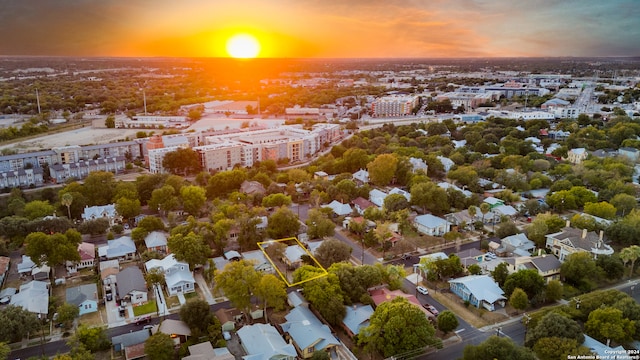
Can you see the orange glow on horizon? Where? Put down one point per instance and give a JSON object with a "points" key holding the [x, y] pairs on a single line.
{"points": [[243, 46]]}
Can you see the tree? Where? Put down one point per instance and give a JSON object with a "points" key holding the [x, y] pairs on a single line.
{"points": [[518, 299], [537, 232], [430, 197], [606, 324], [324, 293], [500, 273], [164, 199], [238, 280], [283, 223], [110, 122], [272, 292], [556, 348], [155, 277], [197, 315], [183, 161], [53, 249], [248, 232], [16, 323], [94, 227], [554, 325], [624, 203], [577, 267], [224, 182], [319, 225], [447, 321], [497, 348], [276, 200], [506, 228], [611, 266], [528, 280], [397, 327], [602, 209], [193, 198], [67, 313], [553, 291], [484, 209], [382, 169], [395, 202], [332, 251], [190, 248], [630, 254], [128, 208], [37, 209], [5, 350], [320, 355], [67, 199], [474, 269], [159, 346], [99, 187], [93, 338]]}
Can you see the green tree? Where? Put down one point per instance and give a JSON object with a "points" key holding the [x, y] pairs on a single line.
{"points": [[66, 199], [332, 251], [519, 299], [497, 348], [554, 325], [272, 292], [238, 280], [128, 208], [225, 182], [447, 321], [183, 161], [324, 293], [320, 355], [382, 169], [602, 209], [319, 225], [397, 327], [110, 122], [37, 209], [53, 249], [16, 323], [94, 227], [484, 209], [430, 197], [5, 350], [190, 248], [155, 277], [193, 199], [197, 315], [537, 232], [630, 254], [67, 313], [607, 324], [164, 199], [553, 291], [577, 267], [556, 348], [283, 223], [276, 200], [93, 338], [99, 188], [528, 280], [624, 203], [159, 346], [395, 202]]}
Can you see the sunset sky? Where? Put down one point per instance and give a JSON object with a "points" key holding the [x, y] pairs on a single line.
{"points": [[322, 28]]}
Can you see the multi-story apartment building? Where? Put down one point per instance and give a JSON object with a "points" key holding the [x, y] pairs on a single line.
{"points": [[156, 156], [394, 105], [221, 156], [81, 169]]}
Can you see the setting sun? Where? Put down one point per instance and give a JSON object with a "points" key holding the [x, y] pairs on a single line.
{"points": [[243, 46]]}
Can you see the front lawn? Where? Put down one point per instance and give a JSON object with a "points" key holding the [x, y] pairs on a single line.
{"points": [[147, 308]]}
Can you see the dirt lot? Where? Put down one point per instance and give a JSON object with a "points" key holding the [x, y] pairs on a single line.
{"points": [[84, 136]]}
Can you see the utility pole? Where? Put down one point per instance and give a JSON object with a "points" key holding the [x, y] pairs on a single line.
{"points": [[38, 102]]}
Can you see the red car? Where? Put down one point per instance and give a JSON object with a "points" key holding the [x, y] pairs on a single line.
{"points": [[431, 309]]}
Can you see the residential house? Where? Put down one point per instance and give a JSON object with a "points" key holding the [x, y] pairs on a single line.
{"points": [[548, 266], [339, 209], [368, 224], [446, 186], [128, 341], [85, 297], [295, 299], [404, 193], [307, 332], [122, 248], [177, 276], [156, 241], [293, 255], [572, 240], [431, 225], [470, 256], [446, 163], [177, 329], [356, 318], [361, 204], [576, 156], [5, 264], [87, 252], [27, 268], [361, 177], [630, 153], [504, 210], [603, 351], [377, 197], [252, 188], [517, 244], [260, 261], [263, 342], [108, 271], [418, 165], [205, 351], [33, 297], [321, 175], [461, 219], [383, 294], [479, 291], [102, 212], [228, 318], [493, 202], [131, 285]]}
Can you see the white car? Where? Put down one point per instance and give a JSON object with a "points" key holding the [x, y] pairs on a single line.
{"points": [[422, 290]]}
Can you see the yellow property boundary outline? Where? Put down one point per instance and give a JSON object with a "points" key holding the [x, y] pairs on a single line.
{"points": [[264, 244]]}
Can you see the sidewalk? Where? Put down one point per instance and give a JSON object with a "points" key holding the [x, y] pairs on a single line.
{"points": [[202, 284]]}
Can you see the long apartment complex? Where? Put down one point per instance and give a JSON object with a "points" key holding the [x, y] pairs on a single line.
{"points": [[245, 147], [394, 105]]}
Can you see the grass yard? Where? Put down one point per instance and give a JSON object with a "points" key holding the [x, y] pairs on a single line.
{"points": [[191, 295], [147, 308]]}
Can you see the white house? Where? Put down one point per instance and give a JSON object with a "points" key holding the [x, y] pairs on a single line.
{"points": [[98, 212], [33, 297], [87, 252], [377, 197], [131, 285], [339, 208], [120, 248], [432, 225], [479, 291], [361, 176], [177, 275]]}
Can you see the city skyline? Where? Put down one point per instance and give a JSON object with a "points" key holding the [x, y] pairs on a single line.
{"points": [[327, 29]]}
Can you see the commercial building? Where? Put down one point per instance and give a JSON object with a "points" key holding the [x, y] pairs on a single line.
{"points": [[394, 105]]}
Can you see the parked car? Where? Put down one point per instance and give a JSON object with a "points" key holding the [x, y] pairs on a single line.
{"points": [[422, 290], [431, 309]]}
